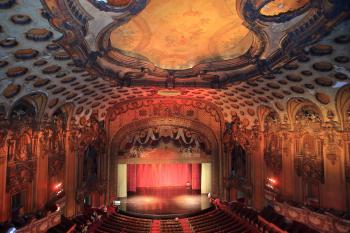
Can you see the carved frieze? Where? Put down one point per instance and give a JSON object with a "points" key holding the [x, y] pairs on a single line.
{"points": [[165, 107]]}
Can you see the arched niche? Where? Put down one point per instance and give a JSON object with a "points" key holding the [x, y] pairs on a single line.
{"points": [[239, 161], [342, 104], [269, 119], [303, 112], [90, 165], [30, 107], [65, 113]]}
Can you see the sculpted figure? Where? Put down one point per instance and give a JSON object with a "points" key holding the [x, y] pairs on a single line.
{"points": [[23, 147]]}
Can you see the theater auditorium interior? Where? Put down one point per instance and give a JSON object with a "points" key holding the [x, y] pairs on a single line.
{"points": [[175, 116]]}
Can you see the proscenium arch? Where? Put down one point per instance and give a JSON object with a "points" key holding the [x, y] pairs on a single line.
{"points": [[201, 128]]}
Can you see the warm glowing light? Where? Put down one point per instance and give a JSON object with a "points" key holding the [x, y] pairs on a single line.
{"points": [[272, 180], [167, 92], [187, 200], [58, 186], [179, 34]]}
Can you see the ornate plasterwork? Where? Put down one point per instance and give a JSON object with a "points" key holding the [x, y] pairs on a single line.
{"points": [[166, 107], [188, 142], [263, 55], [120, 139]]}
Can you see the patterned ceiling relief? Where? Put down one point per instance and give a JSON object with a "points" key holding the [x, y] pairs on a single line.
{"points": [[180, 34], [53, 60]]}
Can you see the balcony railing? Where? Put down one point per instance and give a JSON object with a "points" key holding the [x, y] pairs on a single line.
{"points": [[43, 224], [322, 222]]}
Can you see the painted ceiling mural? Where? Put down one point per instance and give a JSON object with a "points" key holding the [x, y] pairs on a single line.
{"points": [[179, 34], [57, 52], [277, 7]]}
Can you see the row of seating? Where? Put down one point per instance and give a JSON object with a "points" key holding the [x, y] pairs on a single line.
{"points": [[218, 221], [170, 226], [121, 223]]}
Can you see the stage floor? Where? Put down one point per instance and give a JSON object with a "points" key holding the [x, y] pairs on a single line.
{"points": [[165, 201]]}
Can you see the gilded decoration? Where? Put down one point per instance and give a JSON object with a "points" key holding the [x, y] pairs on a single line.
{"points": [[309, 161], [168, 107], [186, 142], [273, 145], [179, 34], [184, 42]]}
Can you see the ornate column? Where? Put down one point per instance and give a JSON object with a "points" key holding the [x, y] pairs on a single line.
{"points": [[70, 175], [42, 178], [287, 178], [257, 157], [334, 188]]}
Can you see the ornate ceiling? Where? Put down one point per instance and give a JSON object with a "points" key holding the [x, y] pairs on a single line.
{"points": [[181, 34], [277, 7], [57, 53]]}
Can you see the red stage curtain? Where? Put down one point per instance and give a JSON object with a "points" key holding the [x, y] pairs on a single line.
{"points": [[162, 175], [196, 176], [131, 177]]}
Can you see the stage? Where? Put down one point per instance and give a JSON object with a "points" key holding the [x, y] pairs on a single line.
{"points": [[165, 201]]}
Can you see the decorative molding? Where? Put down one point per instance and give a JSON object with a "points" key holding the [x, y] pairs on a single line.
{"points": [[109, 62], [200, 129]]}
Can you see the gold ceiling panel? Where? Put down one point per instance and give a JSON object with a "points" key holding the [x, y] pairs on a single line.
{"points": [[179, 34], [278, 7]]}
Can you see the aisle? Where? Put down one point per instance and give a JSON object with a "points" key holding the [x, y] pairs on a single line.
{"points": [[155, 228], [185, 225]]}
